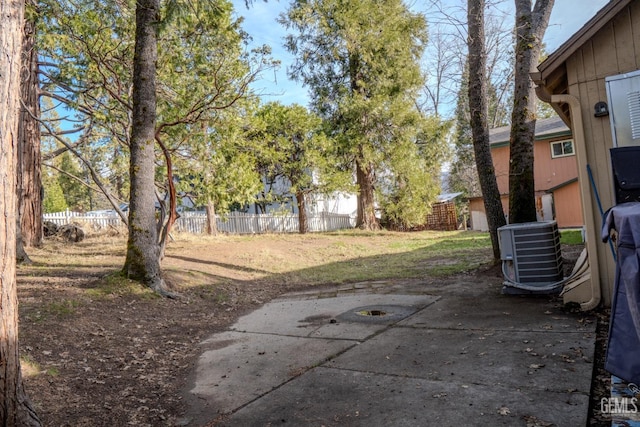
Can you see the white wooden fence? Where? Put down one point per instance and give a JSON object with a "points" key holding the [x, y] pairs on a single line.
{"points": [[234, 223], [95, 220]]}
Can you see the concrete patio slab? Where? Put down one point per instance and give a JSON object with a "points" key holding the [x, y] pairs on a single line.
{"points": [[332, 397], [447, 358], [546, 361], [318, 317], [239, 367], [499, 312]]}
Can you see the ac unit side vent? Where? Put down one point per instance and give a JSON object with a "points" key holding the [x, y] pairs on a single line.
{"points": [[534, 251]]}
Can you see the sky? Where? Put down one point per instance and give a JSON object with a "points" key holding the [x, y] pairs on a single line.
{"points": [[567, 17]]}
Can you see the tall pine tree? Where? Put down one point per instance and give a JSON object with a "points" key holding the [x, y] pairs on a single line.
{"points": [[361, 62]]}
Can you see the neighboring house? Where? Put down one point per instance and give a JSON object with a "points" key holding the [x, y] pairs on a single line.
{"points": [[336, 203], [577, 81], [442, 217], [555, 174]]}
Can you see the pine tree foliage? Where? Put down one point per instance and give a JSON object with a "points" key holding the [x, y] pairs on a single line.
{"points": [[463, 175], [54, 200], [204, 67], [360, 60], [294, 148], [218, 166]]}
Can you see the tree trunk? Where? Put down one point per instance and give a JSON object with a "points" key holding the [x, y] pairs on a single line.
{"points": [[22, 257], [29, 185], [167, 218], [530, 28], [143, 252], [212, 224], [479, 111], [366, 214], [15, 408], [303, 225]]}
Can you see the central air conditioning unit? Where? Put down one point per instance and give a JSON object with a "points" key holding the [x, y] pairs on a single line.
{"points": [[531, 258]]}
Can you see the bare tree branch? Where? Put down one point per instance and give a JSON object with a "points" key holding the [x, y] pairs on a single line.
{"points": [[114, 203]]}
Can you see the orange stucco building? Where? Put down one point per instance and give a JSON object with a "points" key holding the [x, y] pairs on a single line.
{"points": [[555, 174]]}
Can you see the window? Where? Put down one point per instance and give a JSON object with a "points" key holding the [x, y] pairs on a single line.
{"points": [[634, 113], [562, 149]]}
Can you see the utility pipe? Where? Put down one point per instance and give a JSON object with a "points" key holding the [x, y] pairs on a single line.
{"points": [[587, 199]]}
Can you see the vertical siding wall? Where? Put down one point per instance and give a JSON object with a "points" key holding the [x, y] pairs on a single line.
{"points": [[615, 49], [500, 156], [478, 214], [548, 172], [567, 205]]}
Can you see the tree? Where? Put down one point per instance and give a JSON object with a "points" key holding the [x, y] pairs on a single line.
{"points": [[406, 195], [29, 183], [478, 110], [15, 408], [218, 169], [463, 175], [142, 262], [531, 25], [209, 105], [203, 68], [87, 54], [207, 79], [498, 42], [296, 150], [73, 180], [441, 67], [54, 200], [360, 60], [447, 61]]}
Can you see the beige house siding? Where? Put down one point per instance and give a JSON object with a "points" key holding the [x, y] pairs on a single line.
{"points": [[567, 202], [608, 45], [613, 50]]}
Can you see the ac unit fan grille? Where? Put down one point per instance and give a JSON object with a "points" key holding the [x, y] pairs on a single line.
{"points": [[534, 249]]}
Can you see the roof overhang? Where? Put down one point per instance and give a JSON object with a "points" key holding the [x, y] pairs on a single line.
{"points": [[551, 77]]}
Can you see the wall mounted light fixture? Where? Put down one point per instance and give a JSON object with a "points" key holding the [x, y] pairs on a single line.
{"points": [[601, 109]]}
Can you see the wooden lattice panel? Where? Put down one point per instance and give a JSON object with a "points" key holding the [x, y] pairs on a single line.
{"points": [[443, 217]]}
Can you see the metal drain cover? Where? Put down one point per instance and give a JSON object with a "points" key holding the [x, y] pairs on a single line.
{"points": [[380, 314], [372, 313]]}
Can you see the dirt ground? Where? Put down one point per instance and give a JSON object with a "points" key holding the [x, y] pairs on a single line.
{"points": [[97, 352]]}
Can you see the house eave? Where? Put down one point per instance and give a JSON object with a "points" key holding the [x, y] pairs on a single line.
{"points": [[588, 30]]}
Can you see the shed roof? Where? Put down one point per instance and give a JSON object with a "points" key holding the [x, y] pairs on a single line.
{"points": [[447, 197], [545, 129], [562, 185]]}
